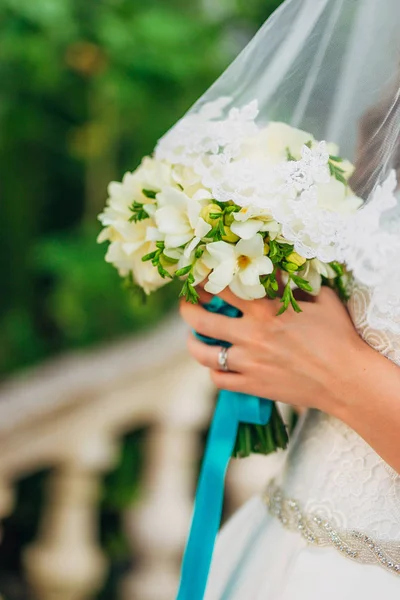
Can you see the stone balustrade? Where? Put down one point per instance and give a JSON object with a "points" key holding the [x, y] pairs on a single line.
{"points": [[69, 415]]}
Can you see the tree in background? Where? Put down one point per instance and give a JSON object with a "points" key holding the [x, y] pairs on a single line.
{"points": [[87, 88]]}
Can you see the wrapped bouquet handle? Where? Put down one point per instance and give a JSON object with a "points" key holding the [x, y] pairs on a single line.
{"points": [[232, 409]]}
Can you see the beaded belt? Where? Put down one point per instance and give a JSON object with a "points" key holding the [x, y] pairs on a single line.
{"points": [[319, 532]]}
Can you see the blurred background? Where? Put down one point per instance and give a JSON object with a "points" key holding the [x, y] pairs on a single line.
{"points": [[87, 88]]}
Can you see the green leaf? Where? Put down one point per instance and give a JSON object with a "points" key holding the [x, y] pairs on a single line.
{"points": [[290, 267], [189, 292], [294, 304], [183, 271], [149, 194], [232, 208], [163, 272], [282, 309], [337, 173], [149, 256], [286, 295], [302, 283], [289, 155], [138, 212], [337, 267]]}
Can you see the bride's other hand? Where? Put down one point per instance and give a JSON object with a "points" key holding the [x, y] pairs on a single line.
{"points": [[314, 359], [300, 359], [310, 359]]}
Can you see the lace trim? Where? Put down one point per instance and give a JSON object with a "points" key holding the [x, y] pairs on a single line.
{"points": [[319, 532], [221, 143]]}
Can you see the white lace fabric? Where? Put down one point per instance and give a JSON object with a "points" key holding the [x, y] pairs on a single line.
{"points": [[222, 147], [333, 472], [221, 144]]}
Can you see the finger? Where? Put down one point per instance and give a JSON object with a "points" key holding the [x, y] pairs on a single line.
{"points": [[232, 382], [210, 324], [326, 294], [204, 296], [264, 307], [233, 300], [208, 355], [302, 296]]}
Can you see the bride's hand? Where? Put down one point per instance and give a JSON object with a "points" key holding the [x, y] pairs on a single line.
{"points": [[306, 359]]}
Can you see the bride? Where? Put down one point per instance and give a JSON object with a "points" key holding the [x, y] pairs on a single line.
{"points": [[328, 526]]}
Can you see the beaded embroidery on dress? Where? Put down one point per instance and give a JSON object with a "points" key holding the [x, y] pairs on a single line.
{"points": [[333, 472]]}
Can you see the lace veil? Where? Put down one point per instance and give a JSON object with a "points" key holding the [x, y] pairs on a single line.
{"points": [[331, 68]]}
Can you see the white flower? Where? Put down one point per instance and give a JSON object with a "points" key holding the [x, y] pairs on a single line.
{"points": [[129, 242], [335, 197], [252, 219], [144, 273], [187, 179], [238, 266], [178, 219], [151, 175], [275, 140], [315, 161], [313, 272]]}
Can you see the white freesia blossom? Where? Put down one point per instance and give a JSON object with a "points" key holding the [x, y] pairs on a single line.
{"points": [[183, 259], [313, 272], [129, 242], [187, 179], [280, 138], [144, 274], [200, 271], [251, 220], [238, 266], [151, 175], [218, 175], [178, 219], [336, 197]]}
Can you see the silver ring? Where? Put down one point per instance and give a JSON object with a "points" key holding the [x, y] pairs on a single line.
{"points": [[223, 359]]}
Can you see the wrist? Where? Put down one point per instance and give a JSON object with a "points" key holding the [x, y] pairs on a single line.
{"points": [[366, 389]]}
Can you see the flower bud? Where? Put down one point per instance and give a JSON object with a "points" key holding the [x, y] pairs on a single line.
{"points": [[296, 259], [266, 248], [228, 219], [230, 236], [208, 210], [166, 261]]}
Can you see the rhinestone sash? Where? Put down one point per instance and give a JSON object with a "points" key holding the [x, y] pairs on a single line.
{"points": [[319, 532]]}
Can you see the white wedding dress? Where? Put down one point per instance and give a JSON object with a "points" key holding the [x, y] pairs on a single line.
{"points": [[328, 527]]}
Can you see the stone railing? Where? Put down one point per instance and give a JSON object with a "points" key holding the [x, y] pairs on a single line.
{"points": [[68, 415]]}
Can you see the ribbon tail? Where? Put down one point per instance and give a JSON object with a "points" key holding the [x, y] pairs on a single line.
{"points": [[209, 498]]}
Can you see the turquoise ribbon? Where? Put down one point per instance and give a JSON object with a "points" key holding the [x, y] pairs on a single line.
{"points": [[232, 408]]}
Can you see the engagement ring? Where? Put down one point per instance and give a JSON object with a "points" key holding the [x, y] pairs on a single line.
{"points": [[223, 359]]}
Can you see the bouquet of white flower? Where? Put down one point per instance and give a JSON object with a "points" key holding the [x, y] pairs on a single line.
{"points": [[276, 205]]}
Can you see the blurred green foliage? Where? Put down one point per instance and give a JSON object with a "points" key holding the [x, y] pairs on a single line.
{"points": [[87, 87]]}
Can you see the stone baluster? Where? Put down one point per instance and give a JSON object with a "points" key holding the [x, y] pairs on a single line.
{"points": [[6, 498], [66, 563], [6, 502], [158, 526]]}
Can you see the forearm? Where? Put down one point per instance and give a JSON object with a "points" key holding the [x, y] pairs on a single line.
{"points": [[370, 404]]}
